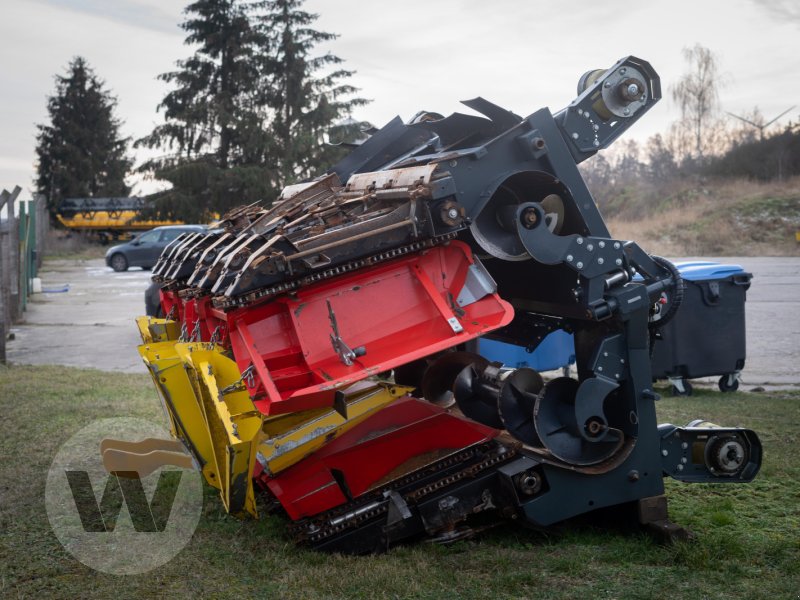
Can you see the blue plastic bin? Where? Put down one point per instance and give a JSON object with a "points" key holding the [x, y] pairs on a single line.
{"points": [[556, 351]]}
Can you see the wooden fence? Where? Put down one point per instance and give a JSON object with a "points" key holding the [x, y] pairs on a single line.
{"points": [[22, 236]]}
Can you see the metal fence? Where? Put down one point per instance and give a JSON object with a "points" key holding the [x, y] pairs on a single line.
{"points": [[22, 236]]}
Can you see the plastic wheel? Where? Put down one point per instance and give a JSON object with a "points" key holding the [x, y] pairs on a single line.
{"points": [[119, 263], [724, 386], [687, 389]]}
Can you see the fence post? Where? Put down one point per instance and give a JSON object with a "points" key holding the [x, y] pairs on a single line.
{"points": [[13, 256], [5, 316], [22, 272], [10, 266], [42, 228]]}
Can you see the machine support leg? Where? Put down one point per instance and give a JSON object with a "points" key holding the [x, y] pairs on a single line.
{"points": [[653, 515]]}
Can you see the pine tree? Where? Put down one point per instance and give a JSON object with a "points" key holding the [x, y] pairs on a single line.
{"points": [[246, 114], [80, 152]]}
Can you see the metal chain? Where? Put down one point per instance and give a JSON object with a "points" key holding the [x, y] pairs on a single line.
{"points": [[196, 332], [327, 524], [172, 313], [246, 380], [216, 336]]}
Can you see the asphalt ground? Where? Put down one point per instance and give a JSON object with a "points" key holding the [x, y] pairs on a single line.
{"points": [[92, 324]]}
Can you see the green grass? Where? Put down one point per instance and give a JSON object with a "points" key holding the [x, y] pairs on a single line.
{"points": [[747, 536]]}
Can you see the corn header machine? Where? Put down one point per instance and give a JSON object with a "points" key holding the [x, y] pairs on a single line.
{"points": [[317, 356]]}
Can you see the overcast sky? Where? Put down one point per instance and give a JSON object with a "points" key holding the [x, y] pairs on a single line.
{"points": [[408, 55]]}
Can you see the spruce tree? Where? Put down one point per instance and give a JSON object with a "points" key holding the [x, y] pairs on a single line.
{"points": [[247, 113], [305, 103], [80, 152], [212, 129]]}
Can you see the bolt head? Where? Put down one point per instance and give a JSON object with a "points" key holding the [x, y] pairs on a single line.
{"points": [[452, 213], [579, 264], [633, 89]]}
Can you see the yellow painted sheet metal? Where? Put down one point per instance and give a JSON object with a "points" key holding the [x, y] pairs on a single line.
{"points": [[211, 412], [233, 422], [153, 330], [293, 445], [185, 415]]}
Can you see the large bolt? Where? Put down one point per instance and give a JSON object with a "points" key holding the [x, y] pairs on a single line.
{"points": [[452, 213], [529, 218], [633, 89]]}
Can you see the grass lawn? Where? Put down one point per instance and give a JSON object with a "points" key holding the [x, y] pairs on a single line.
{"points": [[747, 545]]}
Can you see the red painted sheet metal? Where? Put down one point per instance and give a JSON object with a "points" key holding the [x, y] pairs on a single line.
{"points": [[397, 311], [404, 436], [171, 304]]}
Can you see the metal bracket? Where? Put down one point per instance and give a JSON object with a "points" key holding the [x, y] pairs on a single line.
{"points": [[346, 354], [477, 285]]}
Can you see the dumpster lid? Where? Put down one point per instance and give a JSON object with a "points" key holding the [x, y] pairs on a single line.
{"points": [[702, 271]]}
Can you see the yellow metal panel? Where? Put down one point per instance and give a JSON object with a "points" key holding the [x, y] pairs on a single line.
{"points": [[182, 405], [153, 330], [284, 450], [232, 419]]}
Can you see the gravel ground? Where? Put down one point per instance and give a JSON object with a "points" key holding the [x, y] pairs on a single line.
{"points": [[91, 325]]}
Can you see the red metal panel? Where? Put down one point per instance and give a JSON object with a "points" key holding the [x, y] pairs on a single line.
{"points": [[404, 436], [398, 312]]}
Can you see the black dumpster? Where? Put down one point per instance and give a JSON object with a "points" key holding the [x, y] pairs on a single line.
{"points": [[706, 336]]}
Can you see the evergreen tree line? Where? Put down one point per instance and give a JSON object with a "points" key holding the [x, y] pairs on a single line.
{"points": [[247, 113]]}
